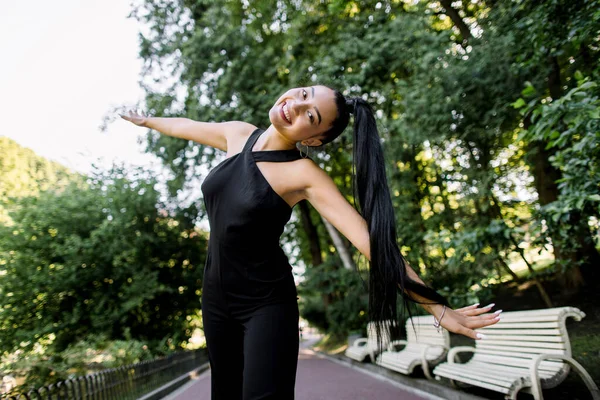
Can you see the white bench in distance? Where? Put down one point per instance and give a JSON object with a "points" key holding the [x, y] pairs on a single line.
{"points": [[525, 351], [363, 347], [428, 347]]}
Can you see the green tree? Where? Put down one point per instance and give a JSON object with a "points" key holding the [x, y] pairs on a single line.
{"points": [[443, 76], [103, 257], [23, 173]]}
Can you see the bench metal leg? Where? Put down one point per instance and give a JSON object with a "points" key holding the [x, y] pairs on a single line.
{"points": [[536, 387]]}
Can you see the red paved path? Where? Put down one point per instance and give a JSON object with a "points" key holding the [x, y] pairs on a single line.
{"points": [[318, 378]]}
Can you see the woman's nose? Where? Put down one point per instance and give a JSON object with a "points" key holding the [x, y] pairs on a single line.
{"points": [[300, 106]]}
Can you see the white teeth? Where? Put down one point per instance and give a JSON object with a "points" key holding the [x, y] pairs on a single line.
{"points": [[286, 112]]}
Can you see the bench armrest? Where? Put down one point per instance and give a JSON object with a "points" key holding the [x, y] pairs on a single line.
{"points": [[424, 363], [458, 349], [396, 343], [360, 342], [536, 386]]}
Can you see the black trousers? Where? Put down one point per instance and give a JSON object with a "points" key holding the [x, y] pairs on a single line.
{"points": [[254, 356]]}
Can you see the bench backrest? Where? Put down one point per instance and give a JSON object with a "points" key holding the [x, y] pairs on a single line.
{"points": [[525, 334], [520, 336], [426, 333]]}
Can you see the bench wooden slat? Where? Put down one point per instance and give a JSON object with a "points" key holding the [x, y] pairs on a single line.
{"points": [[522, 325], [528, 338], [527, 344], [521, 369], [475, 382], [530, 318], [533, 332], [466, 375], [553, 366], [520, 352], [497, 375], [544, 311]]}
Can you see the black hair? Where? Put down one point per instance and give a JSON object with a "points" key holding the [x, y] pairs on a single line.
{"points": [[342, 118], [387, 273]]}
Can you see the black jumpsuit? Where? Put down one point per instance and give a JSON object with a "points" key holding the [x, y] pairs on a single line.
{"points": [[249, 303]]}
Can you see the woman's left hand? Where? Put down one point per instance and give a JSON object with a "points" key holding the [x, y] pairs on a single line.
{"points": [[465, 320]]}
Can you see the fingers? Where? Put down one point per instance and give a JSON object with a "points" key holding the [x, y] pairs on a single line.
{"points": [[473, 311], [469, 332], [464, 325], [131, 115], [472, 334], [465, 320], [480, 322], [482, 310], [471, 307]]}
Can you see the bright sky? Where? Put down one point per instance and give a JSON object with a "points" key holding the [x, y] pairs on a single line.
{"points": [[65, 64]]}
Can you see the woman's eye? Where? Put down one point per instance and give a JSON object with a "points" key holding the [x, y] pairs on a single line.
{"points": [[304, 94], [310, 116]]}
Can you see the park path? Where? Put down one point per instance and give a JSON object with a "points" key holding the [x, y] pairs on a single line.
{"points": [[319, 378]]}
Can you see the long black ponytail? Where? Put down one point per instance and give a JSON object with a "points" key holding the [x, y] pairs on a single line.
{"points": [[387, 273]]}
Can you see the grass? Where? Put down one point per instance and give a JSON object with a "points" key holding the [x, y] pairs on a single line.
{"points": [[586, 350], [331, 344]]}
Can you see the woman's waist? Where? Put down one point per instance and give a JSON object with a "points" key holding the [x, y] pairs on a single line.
{"points": [[247, 253]]}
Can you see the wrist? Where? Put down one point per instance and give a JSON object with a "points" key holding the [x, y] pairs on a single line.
{"points": [[434, 309]]}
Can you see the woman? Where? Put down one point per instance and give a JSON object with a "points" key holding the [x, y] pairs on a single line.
{"points": [[249, 303]]}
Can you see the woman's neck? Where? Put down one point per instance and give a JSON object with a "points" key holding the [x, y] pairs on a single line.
{"points": [[271, 139]]}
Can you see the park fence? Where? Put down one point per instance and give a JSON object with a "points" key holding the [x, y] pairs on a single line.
{"points": [[122, 383]]}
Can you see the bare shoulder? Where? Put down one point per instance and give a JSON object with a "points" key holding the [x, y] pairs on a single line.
{"points": [[237, 130], [308, 175], [236, 134]]}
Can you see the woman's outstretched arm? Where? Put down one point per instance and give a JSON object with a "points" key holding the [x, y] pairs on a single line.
{"points": [[213, 134], [320, 190]]}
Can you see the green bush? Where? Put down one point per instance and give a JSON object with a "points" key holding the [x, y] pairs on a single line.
{"points": [[343, 291]]}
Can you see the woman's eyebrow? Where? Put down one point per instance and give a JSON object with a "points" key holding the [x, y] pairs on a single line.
{"points": [[316, 109]]}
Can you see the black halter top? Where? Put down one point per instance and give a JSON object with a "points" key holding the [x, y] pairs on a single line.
{"points": [[245, 264]]}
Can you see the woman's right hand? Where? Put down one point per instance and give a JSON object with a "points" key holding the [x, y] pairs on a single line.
{"points": [[465, 320], [133, 117]]}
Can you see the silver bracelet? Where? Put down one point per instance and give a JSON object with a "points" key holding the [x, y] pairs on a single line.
{"points": [[436, 322]]}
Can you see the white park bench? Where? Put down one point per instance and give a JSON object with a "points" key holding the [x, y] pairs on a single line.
{"points": [[526, 350], [427, 347], [363, 347]]}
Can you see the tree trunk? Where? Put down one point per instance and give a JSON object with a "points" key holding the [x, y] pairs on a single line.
{"points": [[453, 14], [505, 266], [314, 243], [311, 234], [340, 246]]}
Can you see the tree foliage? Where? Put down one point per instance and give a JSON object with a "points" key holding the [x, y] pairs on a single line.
{"points": [[101, 257], [469, 186], [23, 173]]}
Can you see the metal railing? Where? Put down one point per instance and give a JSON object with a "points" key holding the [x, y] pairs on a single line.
{"points": [[123, 383]]}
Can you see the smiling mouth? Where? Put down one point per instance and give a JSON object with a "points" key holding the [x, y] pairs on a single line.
{"points": [[285, 113]]}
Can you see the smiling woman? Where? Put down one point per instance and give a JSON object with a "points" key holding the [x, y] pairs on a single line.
{"points": [[249, 303]]}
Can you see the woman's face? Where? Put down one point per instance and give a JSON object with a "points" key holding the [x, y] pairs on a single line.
{"points": [[304, 114]]}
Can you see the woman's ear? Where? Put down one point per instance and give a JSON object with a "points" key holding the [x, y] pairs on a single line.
{"points": [[312, 142]]}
